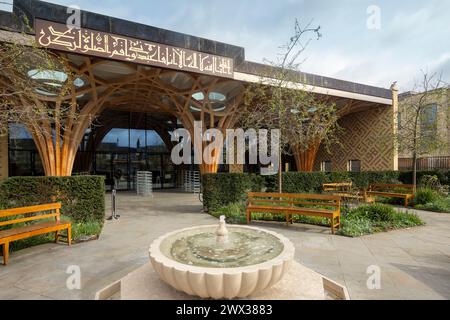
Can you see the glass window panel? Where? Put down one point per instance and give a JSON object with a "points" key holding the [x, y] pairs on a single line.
{"points": [[20, 163], [137, 140], [154, 142], [20, 138], [354, 166], [117, 140], [326, 166]]}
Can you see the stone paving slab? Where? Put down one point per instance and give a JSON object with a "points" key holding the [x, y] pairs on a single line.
{"points": [[414, 263]]}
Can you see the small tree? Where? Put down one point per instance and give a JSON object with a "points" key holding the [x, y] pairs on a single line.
{"points": [[280, 100], [38, 90], [419, 133]]}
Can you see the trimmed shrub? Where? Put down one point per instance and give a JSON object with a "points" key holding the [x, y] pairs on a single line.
{"points": [[222, 189], [82, 197], [234, 213]]}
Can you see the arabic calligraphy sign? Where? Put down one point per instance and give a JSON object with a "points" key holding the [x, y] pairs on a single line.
{"points": [[100, 44]]}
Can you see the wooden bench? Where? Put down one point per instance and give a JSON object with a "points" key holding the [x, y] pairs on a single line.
{"points": [[340, 186], [403, 191], [289, 204], [10, 217], [343, 190]]}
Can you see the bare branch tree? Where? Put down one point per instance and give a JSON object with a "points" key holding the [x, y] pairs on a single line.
{"points": [[281, 100], [418, 131]]}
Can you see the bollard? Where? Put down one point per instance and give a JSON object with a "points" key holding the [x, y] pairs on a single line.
{"points": [[114, 215]]}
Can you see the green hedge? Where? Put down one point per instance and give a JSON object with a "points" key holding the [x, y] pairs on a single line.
{"points": [[82, 198], [223, 189]]}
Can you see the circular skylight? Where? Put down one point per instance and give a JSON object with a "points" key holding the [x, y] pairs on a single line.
{"points": [[216, 98], [52, 79], [213, 96]]}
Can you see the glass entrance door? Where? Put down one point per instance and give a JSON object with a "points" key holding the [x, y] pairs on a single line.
{"points": [[120, 171]]}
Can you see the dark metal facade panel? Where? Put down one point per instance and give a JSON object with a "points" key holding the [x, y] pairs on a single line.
{"points": [[47, 11], [318, 81]]}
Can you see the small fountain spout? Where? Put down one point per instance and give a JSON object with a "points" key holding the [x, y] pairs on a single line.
{"points": [[222, 231]]}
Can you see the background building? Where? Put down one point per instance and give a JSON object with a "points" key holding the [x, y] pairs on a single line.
{"points": [[139, 101], [436, 121]]}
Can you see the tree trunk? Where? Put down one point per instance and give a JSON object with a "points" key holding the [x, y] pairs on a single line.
{"points": [[280, 172], [414, 171], [55, 162]]}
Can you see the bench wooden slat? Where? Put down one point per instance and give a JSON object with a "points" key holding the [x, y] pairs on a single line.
{"points": [[389, 194], [382, 190], [294, 196], [337, 186], [385, 185], [322, 204], [27, 210], [291, 209], [34, 218], [32, 230], [270, 203]]}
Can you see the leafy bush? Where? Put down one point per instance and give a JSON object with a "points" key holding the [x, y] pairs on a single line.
{"points": [[82, 199], [439, 205], [424, 196], [355, 227], [368, 219], [374, 212]]}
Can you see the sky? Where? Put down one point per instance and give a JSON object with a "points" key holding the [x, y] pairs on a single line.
{"points": [[409, 36]]}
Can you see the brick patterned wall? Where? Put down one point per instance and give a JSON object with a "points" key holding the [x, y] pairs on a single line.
{"points": [[3, 157], [236, 168], [367, 136]]}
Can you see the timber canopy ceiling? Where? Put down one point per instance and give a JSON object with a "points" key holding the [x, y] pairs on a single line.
{"points": [[189, 96]]}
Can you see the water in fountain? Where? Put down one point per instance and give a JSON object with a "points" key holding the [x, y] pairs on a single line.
{"points": [[222, 247]]}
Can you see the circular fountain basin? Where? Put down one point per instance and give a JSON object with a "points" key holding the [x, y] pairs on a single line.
{"points": [[247, 261]]}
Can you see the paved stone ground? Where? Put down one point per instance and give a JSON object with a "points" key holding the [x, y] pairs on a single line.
{"points": [[415, 263]]}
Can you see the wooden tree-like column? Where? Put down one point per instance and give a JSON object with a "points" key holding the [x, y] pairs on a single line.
{"points": [[305, 157], [145, 89], [58, 142], [209, 118]]}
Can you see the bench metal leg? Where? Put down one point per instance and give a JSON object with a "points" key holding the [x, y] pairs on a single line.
{"points": [[56, 236], [249, 216], [5, 253]]}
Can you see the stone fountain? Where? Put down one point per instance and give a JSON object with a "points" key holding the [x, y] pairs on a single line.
{"points": [[223, 262], [220, 262]]}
